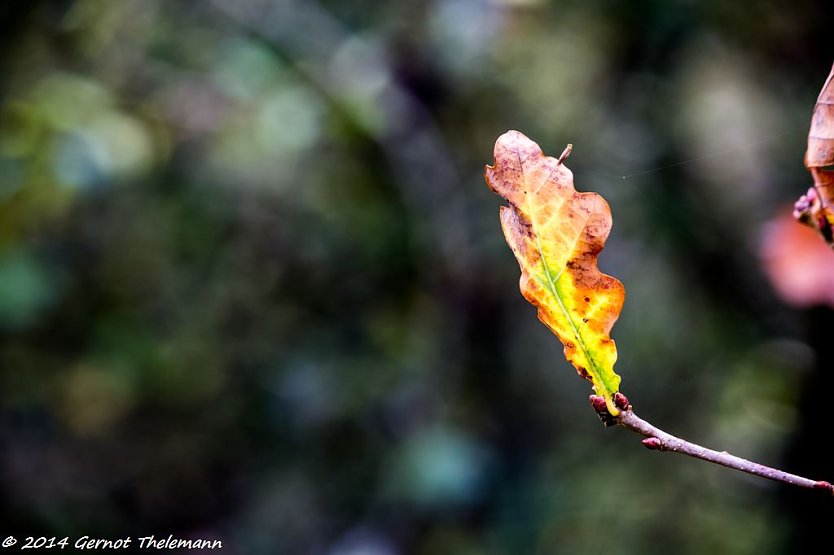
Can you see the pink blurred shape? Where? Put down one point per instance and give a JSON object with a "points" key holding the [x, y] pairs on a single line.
{"points": [[798, 263]]}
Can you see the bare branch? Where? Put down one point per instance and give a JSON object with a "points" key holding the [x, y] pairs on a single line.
{"points": [[658, 440]]}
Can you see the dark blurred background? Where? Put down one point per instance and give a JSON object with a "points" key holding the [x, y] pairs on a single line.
{"points": [[253, 286]]}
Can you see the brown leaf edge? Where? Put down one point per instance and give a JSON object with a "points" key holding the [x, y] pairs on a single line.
{"points": [[816, 207]]}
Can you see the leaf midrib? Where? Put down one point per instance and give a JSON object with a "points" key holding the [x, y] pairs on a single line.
{"points": [[551, 285]]}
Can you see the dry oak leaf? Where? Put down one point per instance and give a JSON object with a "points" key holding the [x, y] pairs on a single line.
{"points": [[816, 207], [820, 151], [556, 234]]}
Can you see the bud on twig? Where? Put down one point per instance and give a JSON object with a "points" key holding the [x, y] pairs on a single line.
{"points": [[598, 404], [621, 401], [653, 443], [807, 205], [824, 485]]}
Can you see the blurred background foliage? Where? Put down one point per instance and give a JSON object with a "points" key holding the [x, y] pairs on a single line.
{"points": [[253, 286]]}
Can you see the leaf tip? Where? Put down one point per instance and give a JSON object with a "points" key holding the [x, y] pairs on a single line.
{"points": [[566, 153]]}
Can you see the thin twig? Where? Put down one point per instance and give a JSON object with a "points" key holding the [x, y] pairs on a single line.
{"points": [[658, 440]]}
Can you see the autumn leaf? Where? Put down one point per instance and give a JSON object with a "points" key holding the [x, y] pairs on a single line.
{"points": [[816, 207], [820, 151], [556, 234]]}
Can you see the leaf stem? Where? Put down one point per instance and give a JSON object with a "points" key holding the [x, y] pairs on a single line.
{"points": [[661, 441]]}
